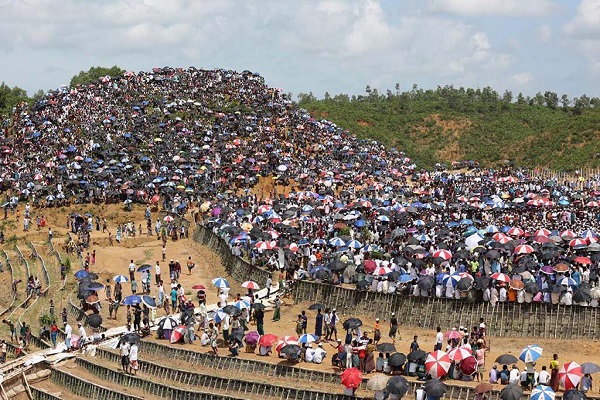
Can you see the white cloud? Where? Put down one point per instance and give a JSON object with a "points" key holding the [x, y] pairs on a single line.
{"points": [[584, 33], [522, 79], [496, 8], [544, 34]]}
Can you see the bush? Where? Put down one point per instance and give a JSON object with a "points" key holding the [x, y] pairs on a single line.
{"points": [[47, 319]]}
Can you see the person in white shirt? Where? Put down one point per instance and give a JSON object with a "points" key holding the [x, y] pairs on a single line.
{"points": [[515, 375], [320, 354], [131, 270], [223, 297], [82, 334], [439, 339], [503, 294], [204, 339], [68, 333], [544, 376], [124, 350], [157, 273], [567, 298], [309, 355], [133, 359]]}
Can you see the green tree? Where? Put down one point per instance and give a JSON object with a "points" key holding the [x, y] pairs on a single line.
{"points": [[95, 73], [9, 97]]}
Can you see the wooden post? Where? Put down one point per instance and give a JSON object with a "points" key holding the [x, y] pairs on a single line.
{"points": [[26, 385]]}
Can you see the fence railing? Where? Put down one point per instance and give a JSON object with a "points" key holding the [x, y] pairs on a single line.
{"points": [[12, 278]]}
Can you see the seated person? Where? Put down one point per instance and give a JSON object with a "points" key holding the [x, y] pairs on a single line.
{"points": [[234, 347], [504, 375], [309, 355], [320, 354], [265, 350]]}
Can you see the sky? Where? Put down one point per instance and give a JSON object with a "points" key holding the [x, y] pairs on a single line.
{"points": [[335, 46]]}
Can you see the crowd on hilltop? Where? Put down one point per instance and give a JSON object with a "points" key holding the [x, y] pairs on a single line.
{"points": [[353, 211]]}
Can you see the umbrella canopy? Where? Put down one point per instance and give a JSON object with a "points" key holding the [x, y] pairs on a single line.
{"points": [[308, 338], [506, 359], [574, 394], [386, 348], [469, 365], [437, 363], [542, 392], [149, 301], [351, 377], [268, 340], [531, 353], [178, 333], [352, 323], [220, 283], [132, 300], [459, 353], [250, 285], [131, 338], [95, 286], [317, 306], [198, 287], [416, 355], [95, 321], [396, 360], [252, 338], [92, 299], [377, 382], [167, 323], [570, 375], [435, 388], [290, 349], [144, 267], [511, 392], [500, 277], [121, 279], [590, 368], [483, 387], [397, 385]]}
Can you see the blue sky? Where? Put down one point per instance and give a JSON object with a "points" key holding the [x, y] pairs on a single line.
{"points": [[338, 46]]}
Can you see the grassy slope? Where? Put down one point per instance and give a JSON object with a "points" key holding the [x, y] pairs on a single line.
{"points": [[429, 133]]}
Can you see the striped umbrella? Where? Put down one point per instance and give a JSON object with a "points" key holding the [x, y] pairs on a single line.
{"points": [[250, 285], [437, 363], [500, 277], [220, 283], [531, 353], [570, 375], [241, 304], [524, 249], [354, 244], [459, 353], [442, 253], [308, 338], [336, 242], [542, 392]]}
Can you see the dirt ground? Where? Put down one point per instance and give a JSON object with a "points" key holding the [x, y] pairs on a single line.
{"points": [[113, 260]]}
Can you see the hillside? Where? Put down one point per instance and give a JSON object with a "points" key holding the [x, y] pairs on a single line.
{"points": [[449, 124]]}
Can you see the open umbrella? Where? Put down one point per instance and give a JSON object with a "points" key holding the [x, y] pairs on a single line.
{"points": [[121, 279], [95, 286], [386, 348], [92, 299], [397, 385], [454, 334], [144, 267], [167, 323], [352, 323], [542, 392], [469, 365], [531, 353], [258, 306], [131, 338], [132, 300], [511, 392], [251, 285], [178, 333], [570, 375], [231, 310], [308, 338], [435, 388], [220, 283], [437, 363], [252, 338], [198, 287], [506, 359], [483, 387], [268, 340], [459, 353], [590, 368], [396, 360], [149, 301], [95, 321], [574, 394], [289, 349], [317, 306], [82, 273], [377, 382], [351, 377], [416, 355]]}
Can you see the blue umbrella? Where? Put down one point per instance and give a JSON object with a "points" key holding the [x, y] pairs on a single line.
{"points": [[492, 229], [241, 304], [303, 242], [542, 392], [319, 242], [454, 278], [354, 244], [405, 278], [149, 301], [567, 281], [359, 223], [336, 242], [132, 300], [82, 273], [383, 218], [452, 224], [144, 267], [531, 353], [121, 279], [220, 283], [466, 221], [219, 316], [308, 338], [95, 286]]}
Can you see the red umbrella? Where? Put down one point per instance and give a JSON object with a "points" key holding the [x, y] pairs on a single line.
{"points": [[199, 287], [582, 260], [469, 365], [352, 378], [369, 266], [453, 334], [268, 340], [500, 277], [155, 199], [437, 363], [445, 254], [178, 333], [459, 353], [250, 285], [570, 375], [524, 249]]}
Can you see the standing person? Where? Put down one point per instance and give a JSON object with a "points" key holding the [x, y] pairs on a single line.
{"points": [[319, 324], [133, 359], [108, 290], [299, 323], [439, 339], [82, 334], [53, 333], [118, 292], [414, 345], [376, 332], [480, 356], [259, 317], [554, 372], [304, 321], [157, 273], [277, 311], [68, 333], [131, 271], [332, 324], [213, 333], [268, 285], [393, 327], [326, 322], [190, 265]]}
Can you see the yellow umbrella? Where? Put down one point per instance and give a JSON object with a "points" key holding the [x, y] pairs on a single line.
{"points": [[205, 206], [247, 226], [158, 139]]}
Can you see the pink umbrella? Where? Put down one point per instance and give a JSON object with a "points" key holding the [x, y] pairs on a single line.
{"points": [[570, 375], [369, 266], [252, 337], [453, 334], [437, 364]]}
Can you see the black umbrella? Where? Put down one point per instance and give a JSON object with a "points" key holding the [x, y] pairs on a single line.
{"points": [[238, 334], [323, 274], [397, 385], [290, 349], [581, 295], [506, 359], [464, 284], [95, 321], [493, 254], [231, 310], [435, 388], [258, 306], [144, 267], [590, 368], [352, 323], [511, 392], [317, 306], [481, 283], [415, 355], [574, 394], [531, 287], [386, 347], [131, 338], [396, 360], [426, 282], [362, 286]]}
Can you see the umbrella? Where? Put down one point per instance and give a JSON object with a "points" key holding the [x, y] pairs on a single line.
{"points": [[567, 281], [437, 363], [268, 340], [500, 277], [377, 382], [386, 348], [352, 323], [483, 387], [121, 279], [317, 306], [308, 338], [570, 375], [531, 353], [506, 359], [82, 273], [144, 267], [219, 316], [258, 306], [252, 338], [92, 299], [542, 392], [435, 388], [167, 323], [132, 300], [464, 284], [415, 355], [231, 310], [95, 286], [574, 394], [590, 368], [459, 353], [131, 338], [220, 283], [178, 333], [469, 365], [511, 392], [396, 360], [241, 304], [288, 349], [397, 385], [95, 321], [453, 334], [517, 284], [351, 377], [426, 282], [149, 301], [251, 285]]}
